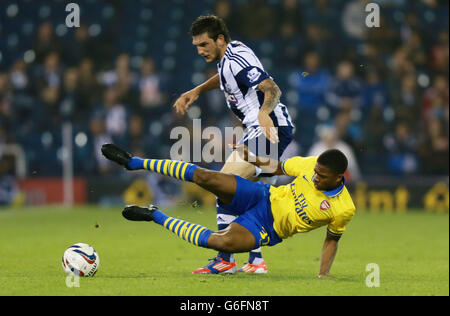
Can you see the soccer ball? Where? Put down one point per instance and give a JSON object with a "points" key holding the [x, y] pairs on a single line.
{"points": [[80, 260]]}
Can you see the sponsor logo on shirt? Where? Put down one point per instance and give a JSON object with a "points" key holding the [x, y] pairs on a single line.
{"points": [[300, 205]]}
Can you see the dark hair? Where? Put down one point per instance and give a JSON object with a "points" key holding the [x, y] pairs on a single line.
{"points": [[335, 160], [211, 24]]}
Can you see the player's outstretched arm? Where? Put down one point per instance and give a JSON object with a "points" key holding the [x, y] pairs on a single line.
{"points": [[329, 251], [183, 103]]}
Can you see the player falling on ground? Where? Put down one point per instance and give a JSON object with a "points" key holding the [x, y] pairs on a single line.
{"points": [[265, 214], [253, 97]]}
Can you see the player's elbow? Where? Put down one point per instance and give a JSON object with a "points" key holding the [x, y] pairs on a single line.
{"points": [[270, 88], [276, 91]]}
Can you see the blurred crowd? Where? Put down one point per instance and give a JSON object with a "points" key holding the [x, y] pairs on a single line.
{"points": [[379, 94]]}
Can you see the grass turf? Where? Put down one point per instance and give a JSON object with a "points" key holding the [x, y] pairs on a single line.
{"points": [[410, 249]]}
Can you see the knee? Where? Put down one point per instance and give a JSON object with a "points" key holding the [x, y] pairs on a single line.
{"points": [[242, 169], [225, 244]]}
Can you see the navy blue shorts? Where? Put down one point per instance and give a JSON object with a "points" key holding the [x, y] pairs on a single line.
{"points": [[259, 145], [251, 204]]}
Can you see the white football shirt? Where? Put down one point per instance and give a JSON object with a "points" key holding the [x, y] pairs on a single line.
{"points": [[240, 73]]}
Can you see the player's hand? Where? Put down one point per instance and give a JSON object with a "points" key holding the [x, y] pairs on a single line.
{"points": [[325, 276], [241, 149], [267, 127], [183, 103]]}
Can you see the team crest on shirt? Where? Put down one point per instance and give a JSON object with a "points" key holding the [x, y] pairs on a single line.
{"points": [[325, 205], [253, 75]]}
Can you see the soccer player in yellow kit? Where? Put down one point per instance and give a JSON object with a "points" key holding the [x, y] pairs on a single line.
{"points": [[266, 214]]}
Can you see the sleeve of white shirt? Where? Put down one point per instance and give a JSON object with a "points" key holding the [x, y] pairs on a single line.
{"points": [[247, 69]]}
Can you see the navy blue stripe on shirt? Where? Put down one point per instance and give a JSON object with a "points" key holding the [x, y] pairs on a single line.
{"points": [[237, 112], [274, 118], [243, 86], [222, 77], [283, 109], [240, 58], [235, 60], [260, 95]]}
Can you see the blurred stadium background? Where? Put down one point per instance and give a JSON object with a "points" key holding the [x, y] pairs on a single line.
{"points": [[379, 94]]}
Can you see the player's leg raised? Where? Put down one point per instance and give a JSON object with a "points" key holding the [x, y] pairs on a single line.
{"points": [[236, 238]]}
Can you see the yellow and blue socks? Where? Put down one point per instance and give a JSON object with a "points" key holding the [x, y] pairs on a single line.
{"points": [[192, 233], [176, 169]]}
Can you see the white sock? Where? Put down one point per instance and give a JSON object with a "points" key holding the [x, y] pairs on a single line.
{"points": [[255, 257]]}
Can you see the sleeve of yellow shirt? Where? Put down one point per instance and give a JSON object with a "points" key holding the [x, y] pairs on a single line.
{"points": [[337, 225], [295, 166]]}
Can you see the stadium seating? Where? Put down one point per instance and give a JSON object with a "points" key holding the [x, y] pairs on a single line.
{"points": [[158, 29]]}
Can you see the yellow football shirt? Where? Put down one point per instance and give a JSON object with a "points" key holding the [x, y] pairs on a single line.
{"points": [[299, 207]]}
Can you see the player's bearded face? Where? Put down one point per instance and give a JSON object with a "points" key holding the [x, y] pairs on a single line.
{"points": [[214, 54], [207, 47], [325, 179]]}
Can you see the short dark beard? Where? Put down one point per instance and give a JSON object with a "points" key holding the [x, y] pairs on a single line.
{"points": [[217, 59]]}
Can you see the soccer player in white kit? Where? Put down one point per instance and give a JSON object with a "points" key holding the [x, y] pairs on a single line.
{"points": [[254, 98]]}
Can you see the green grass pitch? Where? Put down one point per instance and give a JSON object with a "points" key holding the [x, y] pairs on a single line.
{"points": [[410, 249]]}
